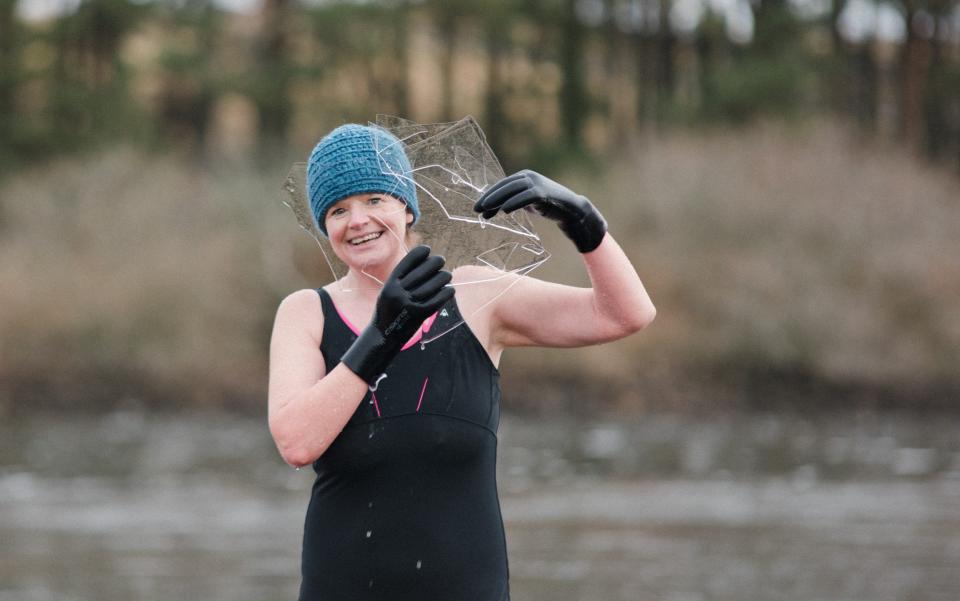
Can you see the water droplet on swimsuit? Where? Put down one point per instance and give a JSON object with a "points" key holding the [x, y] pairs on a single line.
{"points": [[370, 584], [419, 563], [423, 346], [369, 532], [370, 504]]}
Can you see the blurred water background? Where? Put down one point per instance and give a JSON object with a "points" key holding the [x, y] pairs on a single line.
{"points": [[141, 506], [783, 174]]}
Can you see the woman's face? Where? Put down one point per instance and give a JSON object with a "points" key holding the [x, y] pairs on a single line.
{"points": [[368, 229]]}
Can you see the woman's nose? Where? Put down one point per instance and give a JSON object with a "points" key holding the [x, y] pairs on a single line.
{"points": [[358, 217]]}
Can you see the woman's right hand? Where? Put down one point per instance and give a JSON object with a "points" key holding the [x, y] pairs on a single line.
{"points": [[415, 289]]}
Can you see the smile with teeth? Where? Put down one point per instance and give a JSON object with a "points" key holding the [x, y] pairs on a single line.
{"points": [[365, 238]]}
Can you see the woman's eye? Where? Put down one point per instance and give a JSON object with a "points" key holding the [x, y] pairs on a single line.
{"points": [[375, 200], [337, 211]]}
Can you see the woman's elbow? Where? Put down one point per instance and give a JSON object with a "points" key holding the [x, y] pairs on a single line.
{"points": [[291, 446], [644, 318], [636, 321], [298, 456], [297, 461], [294, 457]]}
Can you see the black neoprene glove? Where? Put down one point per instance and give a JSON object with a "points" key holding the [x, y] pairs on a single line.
{"points": [[415, 289], [578, 219]]}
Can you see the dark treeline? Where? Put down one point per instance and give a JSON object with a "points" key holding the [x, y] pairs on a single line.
{"points": [[547, 78]]}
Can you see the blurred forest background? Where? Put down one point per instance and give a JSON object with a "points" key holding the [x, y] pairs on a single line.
{"points": [[785, 175]]}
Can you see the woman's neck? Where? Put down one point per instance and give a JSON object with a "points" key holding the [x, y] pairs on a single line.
{"points": [[369, 279], [364, 285]]}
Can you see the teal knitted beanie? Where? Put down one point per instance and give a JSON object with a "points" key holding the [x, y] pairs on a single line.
{"points": [[358, 159]]}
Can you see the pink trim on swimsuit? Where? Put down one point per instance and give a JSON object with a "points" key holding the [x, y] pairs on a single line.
{"points": [[416, 338], [422, 390]]}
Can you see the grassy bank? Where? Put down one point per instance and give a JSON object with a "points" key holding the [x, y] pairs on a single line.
{"points": [[788, 265]]}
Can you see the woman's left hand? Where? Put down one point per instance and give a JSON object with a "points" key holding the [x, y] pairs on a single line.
{"points": [[575, 215]]}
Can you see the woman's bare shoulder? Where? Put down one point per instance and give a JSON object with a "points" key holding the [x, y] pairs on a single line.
{"points": [[302, 308], [304, 298]]}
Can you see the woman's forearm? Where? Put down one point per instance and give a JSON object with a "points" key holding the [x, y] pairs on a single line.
{"points": [[309, 422], [620, 300]]}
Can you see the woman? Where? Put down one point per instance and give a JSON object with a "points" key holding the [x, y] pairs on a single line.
{"points": [[405, 504]]}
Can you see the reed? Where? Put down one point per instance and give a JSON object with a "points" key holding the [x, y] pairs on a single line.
{"points": [[799, 249]]}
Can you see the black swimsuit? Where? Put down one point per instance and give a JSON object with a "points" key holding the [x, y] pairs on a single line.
{"points": [[405, 503]]}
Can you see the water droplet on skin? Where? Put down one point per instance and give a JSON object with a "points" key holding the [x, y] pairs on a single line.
{"points": [[297, 469], [369, 532], [419, 563]]}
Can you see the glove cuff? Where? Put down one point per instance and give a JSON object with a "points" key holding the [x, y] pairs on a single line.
{"points": [[370, 354], [588, 232]]}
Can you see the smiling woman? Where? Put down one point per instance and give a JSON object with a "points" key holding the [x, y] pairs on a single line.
{"points": [[403, 437], [366, 230]]}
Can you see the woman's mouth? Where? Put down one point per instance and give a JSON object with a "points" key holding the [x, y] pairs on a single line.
{"points": [[364, 239]]}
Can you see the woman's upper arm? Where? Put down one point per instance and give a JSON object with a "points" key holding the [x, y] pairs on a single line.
{"points": [[296, 362], [541, 313], [538, 313]]}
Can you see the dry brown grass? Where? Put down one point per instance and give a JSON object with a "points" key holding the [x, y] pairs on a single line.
{"points": [[127, 265], [800, 249], [792, 248]]}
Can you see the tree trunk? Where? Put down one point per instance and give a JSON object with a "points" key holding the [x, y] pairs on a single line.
{"points": [[644, 69], [495, 115], [621, 120], [867, 88], [836, 9], [401, 95], [271, 97], [9, 67], [665, 73], [935, 122], [913, 64], [448, 38], [573, 97]]}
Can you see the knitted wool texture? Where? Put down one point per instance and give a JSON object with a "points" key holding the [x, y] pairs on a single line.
{"points": [[358, 159]]}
